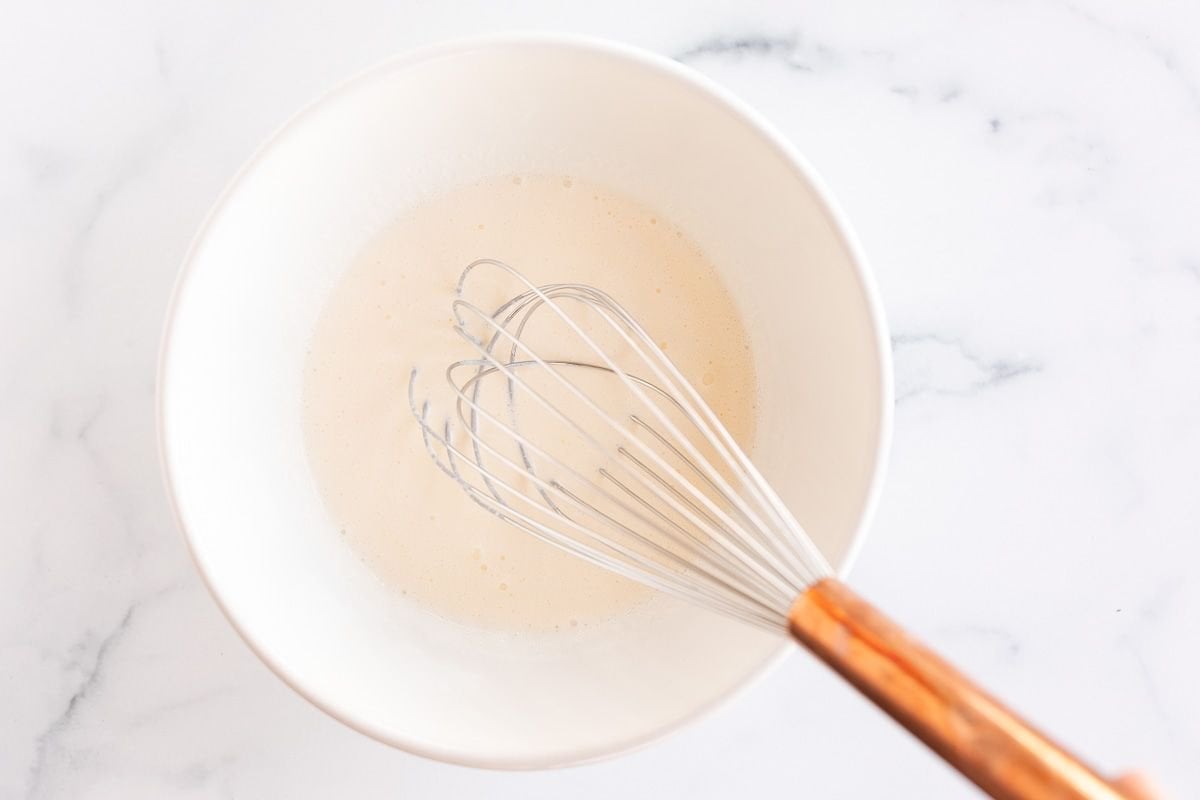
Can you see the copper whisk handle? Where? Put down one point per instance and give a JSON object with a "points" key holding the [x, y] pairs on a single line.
{"points": [[973, 732]]}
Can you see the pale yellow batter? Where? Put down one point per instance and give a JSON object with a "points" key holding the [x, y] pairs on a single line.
{"points": [[391, 312]]}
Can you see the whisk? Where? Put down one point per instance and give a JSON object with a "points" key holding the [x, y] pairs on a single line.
{"points": [[571, 423]]}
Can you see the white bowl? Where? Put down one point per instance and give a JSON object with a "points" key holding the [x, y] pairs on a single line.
{"points": [[291, 221]]}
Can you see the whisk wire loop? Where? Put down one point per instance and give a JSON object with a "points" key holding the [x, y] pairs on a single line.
{"points": [[654, 489]]}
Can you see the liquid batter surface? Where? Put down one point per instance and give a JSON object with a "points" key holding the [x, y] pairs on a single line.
{"points": [[391, 312]]}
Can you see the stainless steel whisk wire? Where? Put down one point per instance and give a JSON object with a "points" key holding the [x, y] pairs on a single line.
{"points": [[747, 561], [533, 306]]}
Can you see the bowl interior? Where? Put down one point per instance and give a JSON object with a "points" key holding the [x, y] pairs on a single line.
{"points": [[277, 243]]}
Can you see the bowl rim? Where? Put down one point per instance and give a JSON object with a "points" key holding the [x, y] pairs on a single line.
{"points": [[689, 78]]}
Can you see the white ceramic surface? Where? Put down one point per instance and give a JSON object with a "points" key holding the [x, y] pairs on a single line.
{"points": [[292, 221]]}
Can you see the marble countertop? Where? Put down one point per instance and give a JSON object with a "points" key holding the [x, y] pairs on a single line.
{"points": [[1025, 177]]}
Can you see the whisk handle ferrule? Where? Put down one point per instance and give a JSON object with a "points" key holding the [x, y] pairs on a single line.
{"points": [[973, 732]]}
